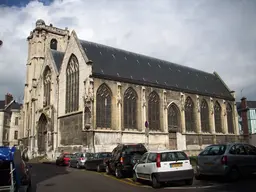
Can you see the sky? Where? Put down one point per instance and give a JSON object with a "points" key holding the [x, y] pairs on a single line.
{"points": [[210, 35]]}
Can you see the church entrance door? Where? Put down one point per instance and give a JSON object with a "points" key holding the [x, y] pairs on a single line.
{"points": [[172, 140], [42, 134]]}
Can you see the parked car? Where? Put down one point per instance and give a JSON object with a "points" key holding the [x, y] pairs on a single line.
{"points": [[229, 160], [78, 159], [164, 166], [97, 161], [123, 158], [63, 159]]}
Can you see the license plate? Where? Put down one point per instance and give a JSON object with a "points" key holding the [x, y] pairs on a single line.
{"points": [[175, 165]]}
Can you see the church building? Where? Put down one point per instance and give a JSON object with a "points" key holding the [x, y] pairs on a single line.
{"points": [[81, 95]]}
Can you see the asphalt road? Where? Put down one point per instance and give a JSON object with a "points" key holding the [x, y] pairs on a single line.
{"points": [[52, 178]]}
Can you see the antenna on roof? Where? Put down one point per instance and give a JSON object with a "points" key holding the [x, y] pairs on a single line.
{"points": [[241, 92]]}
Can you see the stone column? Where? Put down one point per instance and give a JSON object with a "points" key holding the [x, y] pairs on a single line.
{"points": [[182, 113], [143, 108], [198, 115], [119, 106], [165, 113], [224, 117]]}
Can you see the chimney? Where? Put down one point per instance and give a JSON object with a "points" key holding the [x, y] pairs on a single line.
{"points": [[244, 110], [8, 98]]}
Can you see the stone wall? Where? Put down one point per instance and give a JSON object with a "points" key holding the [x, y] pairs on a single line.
{"points": [[71, 130]]}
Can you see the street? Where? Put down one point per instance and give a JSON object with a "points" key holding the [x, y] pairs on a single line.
{"points": [[49, 177]]}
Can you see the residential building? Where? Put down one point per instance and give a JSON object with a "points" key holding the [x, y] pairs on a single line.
{"points": [[83, 95], [9, 121]]}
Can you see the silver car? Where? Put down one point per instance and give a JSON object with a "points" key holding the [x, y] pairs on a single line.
{"points": [[78, 159], [230, 160]]}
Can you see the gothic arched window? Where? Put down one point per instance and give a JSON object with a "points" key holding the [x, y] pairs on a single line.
{"points": [[204, 113], [54, 44], [72, 85], [47, 86], [103, 107], [173, 118], [190, 115], [154, 111], [130, 108], [230, 119], [217, 117]]}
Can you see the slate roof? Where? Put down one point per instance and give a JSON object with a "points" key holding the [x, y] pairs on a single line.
{"points": [[120, 65], [250, 104], [2, 104], [57, 57]]}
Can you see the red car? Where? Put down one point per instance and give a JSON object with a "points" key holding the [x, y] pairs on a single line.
{"points": [[63, 159]]}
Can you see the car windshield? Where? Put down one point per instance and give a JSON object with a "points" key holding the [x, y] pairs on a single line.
{"points": [[67, 155], [104, 155], [213, 150], [174, 156], [130, 149]]}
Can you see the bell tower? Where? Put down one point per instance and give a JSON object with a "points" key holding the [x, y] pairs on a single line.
{"points": [[40, 40]]}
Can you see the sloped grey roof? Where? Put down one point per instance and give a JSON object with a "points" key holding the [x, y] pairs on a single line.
{"points": [[120, 65], [251, 104], [2, 104], [58, 57]]}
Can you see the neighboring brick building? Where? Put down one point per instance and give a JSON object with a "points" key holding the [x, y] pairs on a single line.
{"points": [[247, 116], [9, 121], [80, 94]]}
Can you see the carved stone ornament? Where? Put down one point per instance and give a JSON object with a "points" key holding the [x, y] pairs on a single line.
{"points": [[198, 103], [182, 101], [143, 90], [88, 90], [165, 99], [211, 106], [225, 108], [119, 96]]}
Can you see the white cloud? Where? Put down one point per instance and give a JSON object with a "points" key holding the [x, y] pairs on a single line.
{"points": [[208, 35]]}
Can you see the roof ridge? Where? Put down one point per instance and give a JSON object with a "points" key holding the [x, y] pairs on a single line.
{"points": [[164, 62]]}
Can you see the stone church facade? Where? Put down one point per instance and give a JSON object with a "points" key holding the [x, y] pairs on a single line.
{"points": [[81, 95]]}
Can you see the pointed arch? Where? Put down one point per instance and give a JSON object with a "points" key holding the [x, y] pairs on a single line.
{"points": [[190, 115], [204, 114], [130, 108], [154, 111], [103, 106], [42, 134], [173, 118], [72, 84], [47, 76], [230, 119], [217, 117], [54, 44]]}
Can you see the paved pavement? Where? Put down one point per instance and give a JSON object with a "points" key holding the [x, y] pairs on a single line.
{"points": [[52, 178]]}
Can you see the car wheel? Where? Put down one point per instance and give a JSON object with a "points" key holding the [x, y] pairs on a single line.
{"points": [[29, 189], [189, 181], [107, 170], [233, 175], [98, 169], [155, 183], [118, 173], [199, 177], [134, 177], [77, 165]]}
